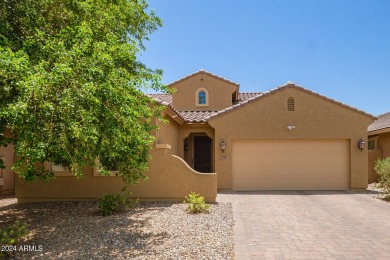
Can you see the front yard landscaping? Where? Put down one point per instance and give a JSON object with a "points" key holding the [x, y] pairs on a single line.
{"points": [[154, 230]]}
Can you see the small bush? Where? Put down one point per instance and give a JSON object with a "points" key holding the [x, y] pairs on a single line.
{"points": [[11, 235], [196, 203], [382, 168], [113, 203]]}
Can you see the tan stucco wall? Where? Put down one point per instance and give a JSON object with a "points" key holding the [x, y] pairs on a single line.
{"points": [[167, 134], [314, 118], [384, 144], [8, 174], [373, 156], [220, 93], [382, 151], [170, 178]]}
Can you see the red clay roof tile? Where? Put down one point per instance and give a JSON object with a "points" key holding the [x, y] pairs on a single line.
{"points": [[382, 122], [243, 99]]}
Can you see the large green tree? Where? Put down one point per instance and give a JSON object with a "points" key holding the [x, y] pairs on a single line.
{"points": [[71, 85]]}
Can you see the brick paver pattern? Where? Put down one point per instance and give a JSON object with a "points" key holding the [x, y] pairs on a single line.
{"points": [[309, 225]]}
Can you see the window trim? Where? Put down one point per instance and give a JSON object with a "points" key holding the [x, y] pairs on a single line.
{"points": [[57, 172], [375, 139], [197, 97], [96, 171]]}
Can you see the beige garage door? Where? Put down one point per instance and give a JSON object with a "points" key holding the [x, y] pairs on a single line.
{"points": [[291, 165]]}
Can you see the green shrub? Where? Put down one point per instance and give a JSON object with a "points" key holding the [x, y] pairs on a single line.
{"points": [[112, 203], [196, 203], [382, 168], [11, 235]]}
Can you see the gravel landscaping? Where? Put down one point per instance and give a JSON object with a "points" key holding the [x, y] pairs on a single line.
{"points": [[373, 191], [154, 230], [159, 230]]}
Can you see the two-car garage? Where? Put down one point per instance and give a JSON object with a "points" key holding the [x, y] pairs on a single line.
{"points": [[311, 143], [291, 165]]}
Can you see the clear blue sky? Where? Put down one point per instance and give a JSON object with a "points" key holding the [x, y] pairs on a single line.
{"points": [[338, 48]]}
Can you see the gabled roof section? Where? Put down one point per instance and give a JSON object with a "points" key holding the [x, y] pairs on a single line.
{"points": [[171, 111], [247, 95], [167, 98], [280, 88], [196, 116], [244, 99], [381, 125], [202, 71]]}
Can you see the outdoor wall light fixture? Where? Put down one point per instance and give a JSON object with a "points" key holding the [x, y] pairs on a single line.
{"points": [[290, 128], [222, 145], [361, 144], [185, 147]]}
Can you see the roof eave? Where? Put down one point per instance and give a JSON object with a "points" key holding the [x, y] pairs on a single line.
{"points": [[204, 72], [171, 111], [282, 87], [379, 131], [172, 114]]}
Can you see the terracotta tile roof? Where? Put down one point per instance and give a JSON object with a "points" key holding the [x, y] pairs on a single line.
{"points": [[187, 116], [247, 95], [169, 106], [205, 72], [162, 97], [382, 122], [196, 116], [287, 85], [168, 98], [244, 99]]}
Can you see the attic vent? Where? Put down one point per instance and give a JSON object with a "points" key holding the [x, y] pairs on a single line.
{"points": [[290, 104]]}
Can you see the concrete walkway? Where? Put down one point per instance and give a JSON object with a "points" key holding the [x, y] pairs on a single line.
{"points": [[309, 225]]}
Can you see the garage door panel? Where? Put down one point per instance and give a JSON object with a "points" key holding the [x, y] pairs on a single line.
{"points": [[252, 158], [290, 165], [266, 147], [250, 184], [238, 148]]}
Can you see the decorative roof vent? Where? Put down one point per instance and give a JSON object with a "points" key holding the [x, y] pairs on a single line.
{"points": [[290, 104]]}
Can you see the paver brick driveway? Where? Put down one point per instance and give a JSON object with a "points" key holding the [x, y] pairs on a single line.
{"points": [[309, 225]]}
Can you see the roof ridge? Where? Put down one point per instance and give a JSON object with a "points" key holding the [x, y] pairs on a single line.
{"points": [[251, 92], [281, 87], [203, 71], [288, 84], [197, 110], [384, 114], [169, 106]]}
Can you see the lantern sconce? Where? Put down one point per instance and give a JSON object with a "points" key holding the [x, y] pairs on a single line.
{"points": [[222, 145], [185, 147], [361, 144]]}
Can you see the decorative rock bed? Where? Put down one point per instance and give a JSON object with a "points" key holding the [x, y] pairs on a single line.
{"points": [[75, 230]]}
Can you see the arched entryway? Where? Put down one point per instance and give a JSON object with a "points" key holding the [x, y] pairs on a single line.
{"points": [[198, 152]]}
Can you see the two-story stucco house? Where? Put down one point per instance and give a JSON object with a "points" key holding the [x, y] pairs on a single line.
{"points": [[288, 138]]}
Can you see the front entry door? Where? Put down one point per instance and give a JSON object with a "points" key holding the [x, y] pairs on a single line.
{"points": [[202, 153]]}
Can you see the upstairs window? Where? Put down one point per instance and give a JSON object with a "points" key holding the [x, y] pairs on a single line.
{"points": [[290, 104], [201, 97]]}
